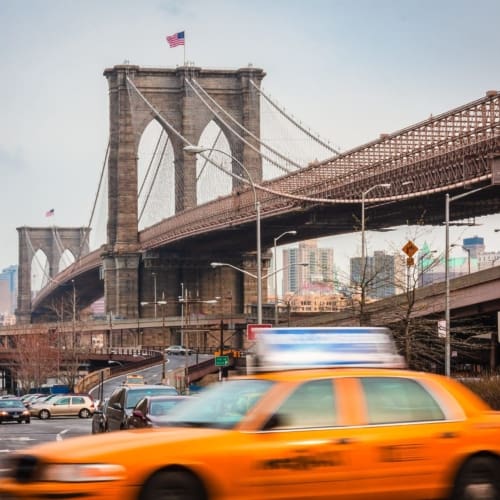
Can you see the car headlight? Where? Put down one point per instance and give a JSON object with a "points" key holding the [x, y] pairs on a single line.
{"points": [[26, 412], [3, 413], [77, 473]]}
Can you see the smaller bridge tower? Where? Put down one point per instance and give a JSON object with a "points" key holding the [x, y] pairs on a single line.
{"points": [[53, 241]]}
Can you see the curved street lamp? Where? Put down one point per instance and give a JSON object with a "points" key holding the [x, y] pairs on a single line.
{"points": [[293, 232], [259, 279], [194, 150]]}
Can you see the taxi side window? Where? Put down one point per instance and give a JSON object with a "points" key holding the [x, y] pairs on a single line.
{"points": [[62, 401], [312, 404], [78, 401], [392, 400]]}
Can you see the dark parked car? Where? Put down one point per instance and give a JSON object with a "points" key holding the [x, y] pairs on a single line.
{"points": [[124, 398], [152, 411], [13, 410]]}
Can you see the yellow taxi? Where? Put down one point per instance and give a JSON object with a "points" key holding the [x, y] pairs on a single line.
{"points": [[312, 422], [134, 379]]}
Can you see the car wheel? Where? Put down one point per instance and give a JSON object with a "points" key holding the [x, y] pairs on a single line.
{"points": [[478, 479], [27, 421], [43, 415], [84, 413], [173, 485]]}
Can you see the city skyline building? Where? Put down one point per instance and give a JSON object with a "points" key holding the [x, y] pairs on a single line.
{"points": [[8, 290], [317, 276], [385, 274]]}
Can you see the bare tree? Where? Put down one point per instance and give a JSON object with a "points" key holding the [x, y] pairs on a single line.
{"points": [[417, 334], [35, 360], [71, 351]]}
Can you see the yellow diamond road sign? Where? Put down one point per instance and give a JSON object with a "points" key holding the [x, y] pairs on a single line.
{"points": [[410, 248]]}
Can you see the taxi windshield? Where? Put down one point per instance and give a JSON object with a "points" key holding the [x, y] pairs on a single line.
{"points": [[220, 405]]}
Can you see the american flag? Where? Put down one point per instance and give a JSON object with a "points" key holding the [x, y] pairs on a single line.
{"points": [[176, 39], [49, 213]]}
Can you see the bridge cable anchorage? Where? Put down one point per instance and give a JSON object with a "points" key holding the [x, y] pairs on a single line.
{"points": [[154, 178], [314, 137], [246, 131]]}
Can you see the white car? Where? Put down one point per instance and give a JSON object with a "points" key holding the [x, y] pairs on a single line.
{"points": [[178, 349]]}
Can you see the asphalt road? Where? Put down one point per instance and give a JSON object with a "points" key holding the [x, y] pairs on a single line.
{"points": [[14, 436], [152, 374]]}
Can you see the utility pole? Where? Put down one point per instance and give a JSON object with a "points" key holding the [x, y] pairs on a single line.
{"points": [[221, 369]]}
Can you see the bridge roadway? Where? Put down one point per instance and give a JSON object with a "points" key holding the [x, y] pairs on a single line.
{"points": [[448, 153], [475, 294], [189, 325]]}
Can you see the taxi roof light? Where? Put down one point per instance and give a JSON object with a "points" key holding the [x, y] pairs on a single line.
{"points": [[325, 347]]}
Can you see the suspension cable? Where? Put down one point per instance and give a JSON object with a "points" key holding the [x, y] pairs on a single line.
{"points": [[290, 119], [154, 179], [219, 133], [151, 162], [251, 146], [99, 186]]}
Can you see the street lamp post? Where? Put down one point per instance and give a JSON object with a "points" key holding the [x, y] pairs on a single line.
{"points": [[447, 340], [199, 150], [363, 242], [154, 292], [226, 264], [363, 198], [74, 314], [276, 274]]}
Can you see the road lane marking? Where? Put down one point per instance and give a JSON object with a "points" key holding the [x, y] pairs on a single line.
{"points": [[59, 436]]}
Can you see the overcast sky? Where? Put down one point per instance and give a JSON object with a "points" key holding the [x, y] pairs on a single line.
{"points": [[350, 69]]}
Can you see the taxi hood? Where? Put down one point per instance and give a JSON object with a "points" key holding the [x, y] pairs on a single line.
{"points": [[97, 447]]}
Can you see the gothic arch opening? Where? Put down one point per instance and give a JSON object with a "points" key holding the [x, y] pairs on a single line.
{"points": [[212, 182], [155, 175], [39, 270], [67, 258]]}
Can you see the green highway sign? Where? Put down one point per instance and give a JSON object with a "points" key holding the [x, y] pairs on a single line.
{"points": [[221, 360]]}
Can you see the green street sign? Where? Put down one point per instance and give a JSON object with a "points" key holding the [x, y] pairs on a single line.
{"points": [[221, 360]]}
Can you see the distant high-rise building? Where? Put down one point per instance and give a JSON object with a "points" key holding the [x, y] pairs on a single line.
{"points": [[384, 276], [8, 290], [318, 274], [474, 245]]}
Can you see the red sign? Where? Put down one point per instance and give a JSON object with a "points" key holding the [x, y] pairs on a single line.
{"points": [[251, 330]]}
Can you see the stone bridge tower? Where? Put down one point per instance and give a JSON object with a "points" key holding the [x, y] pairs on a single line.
{"points": [[164, 94], [53, 241]]}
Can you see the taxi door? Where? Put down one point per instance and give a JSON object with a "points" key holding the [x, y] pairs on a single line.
{"points": [[405, 437], [302, 453]]}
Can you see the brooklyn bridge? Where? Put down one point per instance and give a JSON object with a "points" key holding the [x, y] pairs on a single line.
{"points": [[217, 193]]}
